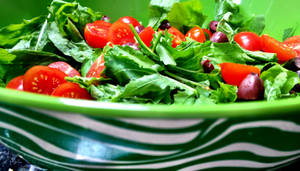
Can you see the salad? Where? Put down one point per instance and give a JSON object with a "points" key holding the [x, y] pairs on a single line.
{"points": [[180, 57]]}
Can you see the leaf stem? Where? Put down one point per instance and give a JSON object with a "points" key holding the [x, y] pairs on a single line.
{"points": [[157, 40], [143, 45]]}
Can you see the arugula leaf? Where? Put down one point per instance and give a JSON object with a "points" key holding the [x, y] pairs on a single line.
{"points": [[155, 87], [85, 82], [289, 32], [186, 15], [124, 64], [71, 18], [14, 33], [278, 81], [80, 51], [105, 92], [225, 94]]}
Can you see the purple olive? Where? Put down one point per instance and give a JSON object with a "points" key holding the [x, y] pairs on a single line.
{"points": [[219, 37], [251, 88], [213, 26], [132, 45], [105, 18], [294, 65], [207, 66], [296, 88], [165, 25], [139, 28]]}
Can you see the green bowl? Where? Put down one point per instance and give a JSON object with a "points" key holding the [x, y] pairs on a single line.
{"points": [[66, 134]]}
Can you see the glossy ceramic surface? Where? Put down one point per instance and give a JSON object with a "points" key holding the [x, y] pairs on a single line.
{"points": [[65, 134]]}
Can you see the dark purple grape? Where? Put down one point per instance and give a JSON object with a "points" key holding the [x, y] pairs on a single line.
{"points": [[105, 18], [132, 45], [207, 66], [251, 88], [165, 25], [219, 37], [139, 28], [213, 26]]}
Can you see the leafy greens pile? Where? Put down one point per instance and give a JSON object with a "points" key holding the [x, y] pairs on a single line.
{"points": [[159, 74]]}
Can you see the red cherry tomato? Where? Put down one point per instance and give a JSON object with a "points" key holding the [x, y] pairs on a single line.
{"points": [[197, 34], [71, 90], [248, 40], [16, 83], [272, 45], [147, 35], [234, 74], [129, 20], [208, 32], [178, 37], [120, 33], [66, 68], [97, 68], [96, 34], [294, 43], [43, 79]]}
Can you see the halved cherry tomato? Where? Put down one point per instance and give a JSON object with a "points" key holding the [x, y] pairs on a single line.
{"points": [[178, 37], [234, 74], [147, 35], [96, 34], [71, 90], [197, 34], [208, 32], [43, 79], [129, 20], [272, 45], [97, 68], [16, 83], [248, 40], [66, 68], [120, 33], [294, 43]]}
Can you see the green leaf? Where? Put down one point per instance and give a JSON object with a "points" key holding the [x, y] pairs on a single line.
{"points": [[225, 94], [124, 64], [185, 15], [14, 33], [85, 82], [106, 92], [155, 87], [79, 51], [278, 82], [289, 32]]}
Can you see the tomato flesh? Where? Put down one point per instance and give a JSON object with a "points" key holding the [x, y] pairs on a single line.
{"points": [[294, 43], [66, 68], [97, 68], [197, 34], [129, 20], [284, 53], [147, 35], [234, 74], [120, 34], [248, 40], [16, 83], [71, 90], [43, 79], [178, 37], [96, 34]]}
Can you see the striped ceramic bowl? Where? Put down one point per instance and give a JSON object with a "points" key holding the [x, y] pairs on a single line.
{"points": [[66, 134]]}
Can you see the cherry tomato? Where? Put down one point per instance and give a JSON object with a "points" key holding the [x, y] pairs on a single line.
{"points": [[97, 68], [120, 33], [66, 68], [71, 90], [178, 37], [147, 35], [234, 74], [43, 79], [294, 43], [208, 32], [96, 34], [248, 40], [129, 20], [16, 83], [272, 45], [197, 34]]}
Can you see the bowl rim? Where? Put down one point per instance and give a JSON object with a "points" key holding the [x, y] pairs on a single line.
{"points": [[289, 106]]}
